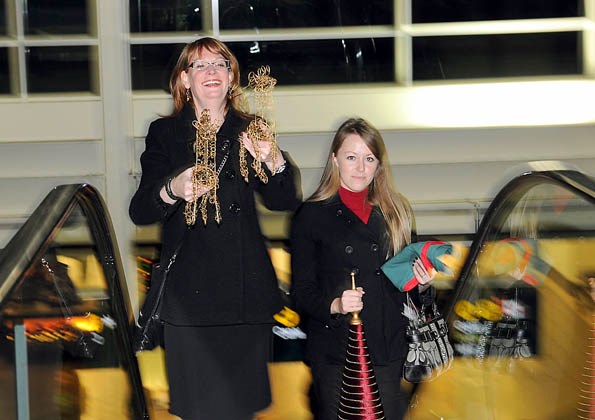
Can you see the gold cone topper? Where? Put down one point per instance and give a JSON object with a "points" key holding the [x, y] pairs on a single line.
{"points": [[359, 398], [355, 319], [204, 173], [261, 128]]}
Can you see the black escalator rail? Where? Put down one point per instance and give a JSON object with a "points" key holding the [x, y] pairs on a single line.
{"points": [[30, 245], [576, 182], [22, 249], [521, 315]]}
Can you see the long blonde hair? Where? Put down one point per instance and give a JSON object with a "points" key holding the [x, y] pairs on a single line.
{"points": [[235, 100], [381, 192]]}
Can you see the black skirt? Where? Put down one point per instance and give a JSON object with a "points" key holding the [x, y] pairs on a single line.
{"points": [[218, 372]]}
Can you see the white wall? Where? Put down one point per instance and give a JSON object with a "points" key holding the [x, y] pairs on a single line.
{"points": [[450, 174], [445, 172]]}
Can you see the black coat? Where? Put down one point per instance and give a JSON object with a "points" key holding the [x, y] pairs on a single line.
{"points": [[223, 274], [328, 241]]}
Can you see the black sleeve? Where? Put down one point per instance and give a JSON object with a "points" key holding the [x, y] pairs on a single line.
{"points": [[146, 206], [282, 192], [306, 289]]}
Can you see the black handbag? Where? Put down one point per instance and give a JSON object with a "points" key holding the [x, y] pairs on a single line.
{"points": [[148, 331], [430, 353]]}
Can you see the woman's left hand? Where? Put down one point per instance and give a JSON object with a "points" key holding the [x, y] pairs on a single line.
{"points": [[268, 151], [422, 275]]}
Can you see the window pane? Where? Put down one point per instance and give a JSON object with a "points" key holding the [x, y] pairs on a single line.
{"points": [[462, 57], [2, 18], [4, 72], [424, 11], [245, 14], [319, 62], [56, 17], [152, 65], [292, 62], [58, 69], [165, 15]]}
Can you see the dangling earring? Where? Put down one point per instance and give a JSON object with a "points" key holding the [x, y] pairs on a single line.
{"points": [[188, 95], [230, 91]]}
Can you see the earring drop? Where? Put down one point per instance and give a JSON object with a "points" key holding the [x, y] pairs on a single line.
{"points": [[188, 95], [230, 91]]}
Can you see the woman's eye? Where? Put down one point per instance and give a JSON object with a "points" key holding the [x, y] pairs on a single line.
{"points": [[350, 157], [371, 159]]}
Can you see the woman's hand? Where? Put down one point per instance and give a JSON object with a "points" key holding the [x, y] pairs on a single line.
{"points": [[268, 151], [423, 276], [350, 301], [181, 187]]}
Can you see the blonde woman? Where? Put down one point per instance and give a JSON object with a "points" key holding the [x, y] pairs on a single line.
{"points": [[354, 221]]}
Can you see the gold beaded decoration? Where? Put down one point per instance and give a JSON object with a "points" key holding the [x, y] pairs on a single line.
{"points": [[259, 129], [204, 173]]}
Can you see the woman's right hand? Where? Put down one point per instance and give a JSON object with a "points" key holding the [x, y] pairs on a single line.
{"points": [[181, 186], [350, 301]]}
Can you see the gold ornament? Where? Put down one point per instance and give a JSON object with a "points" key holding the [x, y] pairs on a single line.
{"points": [[259, 129], [204, 173]]}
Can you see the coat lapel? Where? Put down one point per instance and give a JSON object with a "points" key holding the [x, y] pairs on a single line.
{"points": [[374, 230]]}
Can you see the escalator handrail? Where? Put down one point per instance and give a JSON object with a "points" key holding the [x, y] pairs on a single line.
{"points": [[28, 242], [574, 181], [22, 249]]}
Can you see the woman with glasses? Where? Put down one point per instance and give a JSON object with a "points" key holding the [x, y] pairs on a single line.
{"points": [[353, 223], [221, 291]]}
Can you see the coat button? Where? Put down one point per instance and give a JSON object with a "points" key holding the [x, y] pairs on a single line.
{"points": [[230, 174], [349, 249], [339, 212], [378, 272], [225, 145], [374, 247], [234, 208]]}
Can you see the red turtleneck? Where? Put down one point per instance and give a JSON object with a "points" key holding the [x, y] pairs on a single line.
{"points": [[357, 202]]}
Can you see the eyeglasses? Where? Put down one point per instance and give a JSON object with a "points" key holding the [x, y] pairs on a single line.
{"points": [[202, 65]]}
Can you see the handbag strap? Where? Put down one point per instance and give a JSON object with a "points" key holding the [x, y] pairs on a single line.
{"points": [[422, 313], [171, 262], [172, 259], [411, 304]]}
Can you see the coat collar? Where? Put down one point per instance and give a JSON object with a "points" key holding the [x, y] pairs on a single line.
{"points": [[375, 228]]}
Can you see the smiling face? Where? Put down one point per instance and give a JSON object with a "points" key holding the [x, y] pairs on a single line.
{"points": [[209, 86], [356, 163]]}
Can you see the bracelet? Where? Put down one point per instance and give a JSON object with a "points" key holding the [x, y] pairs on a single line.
{"points": [[280, 169], [169, 192]]}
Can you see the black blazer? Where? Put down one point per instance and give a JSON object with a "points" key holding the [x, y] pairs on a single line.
{"points": [[328, 241], [223, 274]]}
